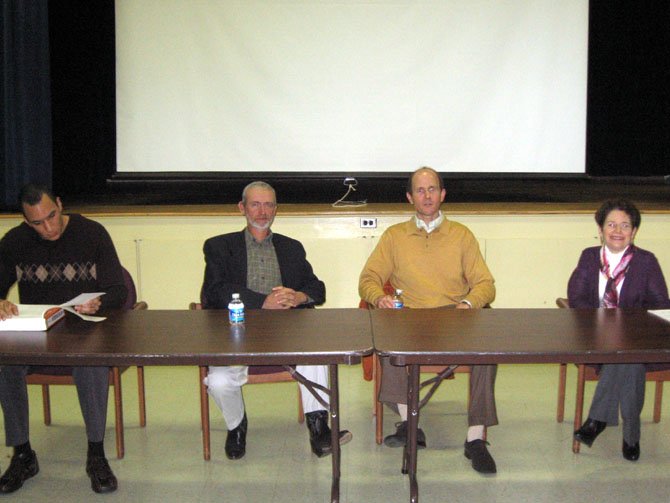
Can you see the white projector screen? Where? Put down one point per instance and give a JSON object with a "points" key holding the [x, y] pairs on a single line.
{"points": [[479, 86]]}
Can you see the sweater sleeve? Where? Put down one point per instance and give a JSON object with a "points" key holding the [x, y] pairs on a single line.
{"points": [[377, 270], [656, 295], [581, 283], [480, 280], [109, 273]]}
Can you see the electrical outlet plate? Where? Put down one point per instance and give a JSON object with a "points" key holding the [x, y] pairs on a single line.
{"points": [[368, 223]]}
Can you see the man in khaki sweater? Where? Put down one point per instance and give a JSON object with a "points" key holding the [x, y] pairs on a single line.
{"points": [[437, 264]]}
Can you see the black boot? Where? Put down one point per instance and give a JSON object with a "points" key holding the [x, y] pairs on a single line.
{"points": [[631, 452], [589, 431], [236, 441], [319, 433]]}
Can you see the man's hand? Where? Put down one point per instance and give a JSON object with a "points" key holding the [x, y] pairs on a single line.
{"points": [[463, 305], [284, 298], [7, 310], [385, 302], [90, 307]]}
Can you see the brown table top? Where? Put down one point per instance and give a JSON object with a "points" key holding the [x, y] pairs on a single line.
{"points": [[155, 337], [453, 336]]}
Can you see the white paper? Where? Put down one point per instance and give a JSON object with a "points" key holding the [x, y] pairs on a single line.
{"points": [[661, 313], [78, 301], [82, 299]]}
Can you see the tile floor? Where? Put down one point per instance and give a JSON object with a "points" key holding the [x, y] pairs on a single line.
{"points": [[164, 463]]}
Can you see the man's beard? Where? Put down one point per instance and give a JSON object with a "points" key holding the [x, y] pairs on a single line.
{"points": [[261, 227]]}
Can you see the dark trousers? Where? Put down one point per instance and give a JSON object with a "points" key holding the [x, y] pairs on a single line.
{"points": [[620, 387], [482, 409], [92, 388]]}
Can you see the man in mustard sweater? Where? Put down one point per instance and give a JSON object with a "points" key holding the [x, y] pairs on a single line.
{"points": [[437, 264]]}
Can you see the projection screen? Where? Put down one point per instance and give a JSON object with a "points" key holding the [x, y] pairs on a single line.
{"points": [[480, 86]]}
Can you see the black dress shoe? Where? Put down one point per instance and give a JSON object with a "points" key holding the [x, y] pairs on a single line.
{"points": [[101, 475], [631, 452], [399, 438], [589, 431], [21, 468], [319, 433], [482, 461], [236, 441]]}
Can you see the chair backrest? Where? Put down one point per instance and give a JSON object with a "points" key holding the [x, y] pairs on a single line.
{"points": [[131, 299], [562, 302]]}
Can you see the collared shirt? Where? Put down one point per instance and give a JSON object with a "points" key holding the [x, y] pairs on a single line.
{"points": [[430, 226], [263, 272]]}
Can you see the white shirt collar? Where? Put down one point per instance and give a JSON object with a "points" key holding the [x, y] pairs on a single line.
{"points": [[430, 226]]}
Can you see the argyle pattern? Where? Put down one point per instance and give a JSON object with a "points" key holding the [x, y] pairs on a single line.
{"points": [[56, 273]]}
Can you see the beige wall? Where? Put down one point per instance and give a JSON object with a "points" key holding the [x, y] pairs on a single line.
{"points": [[531, 256]]}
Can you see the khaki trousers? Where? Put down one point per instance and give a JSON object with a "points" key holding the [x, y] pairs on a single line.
{"points": [[482, 409]]}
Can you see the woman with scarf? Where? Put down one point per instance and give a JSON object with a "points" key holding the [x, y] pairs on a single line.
{"points": [[617, 274]]}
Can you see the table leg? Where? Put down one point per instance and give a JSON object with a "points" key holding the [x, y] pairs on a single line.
{"points": [[335, 433], [410, 451], [579, 404], [204, 414]]}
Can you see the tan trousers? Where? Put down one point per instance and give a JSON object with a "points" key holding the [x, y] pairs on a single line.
{"points": [[482, 410]]}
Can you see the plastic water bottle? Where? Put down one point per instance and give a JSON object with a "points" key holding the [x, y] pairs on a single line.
{"points": [[398, 303], [236, 310]]}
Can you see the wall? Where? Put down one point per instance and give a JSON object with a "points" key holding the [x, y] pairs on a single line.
{"points": [[530, 255]]}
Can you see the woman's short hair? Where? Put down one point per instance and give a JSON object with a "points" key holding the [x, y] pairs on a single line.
{"points": [[622, 205]]}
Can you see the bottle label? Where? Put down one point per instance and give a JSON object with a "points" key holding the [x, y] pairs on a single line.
{"points": [[236, 315], [398, 304]]}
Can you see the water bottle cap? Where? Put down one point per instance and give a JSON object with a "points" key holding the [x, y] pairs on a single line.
{"points": [[398, 291], [236, 296]]}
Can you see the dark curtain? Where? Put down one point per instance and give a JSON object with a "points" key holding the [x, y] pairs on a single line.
{"points": [[25, 111], [628, 126], [83, 97]]}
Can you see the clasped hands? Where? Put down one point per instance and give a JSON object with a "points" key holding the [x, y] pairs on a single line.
{"points": [[386, 302], [284, 298]]}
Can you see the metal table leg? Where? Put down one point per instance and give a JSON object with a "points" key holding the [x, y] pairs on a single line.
{"points": [[410, 457], [335, 433]]}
